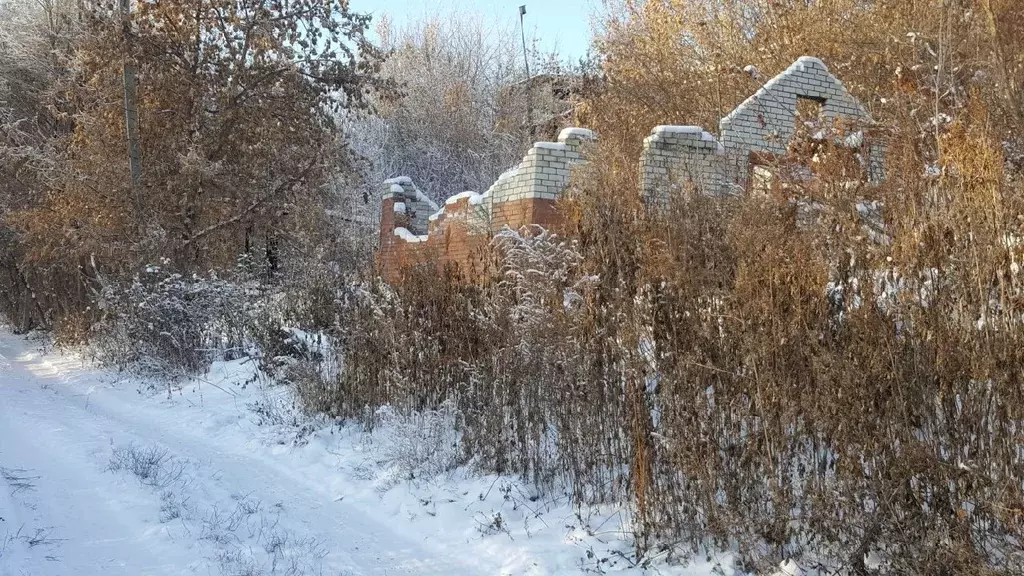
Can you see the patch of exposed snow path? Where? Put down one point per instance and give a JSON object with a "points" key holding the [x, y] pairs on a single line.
{"points": [[58, 423]]}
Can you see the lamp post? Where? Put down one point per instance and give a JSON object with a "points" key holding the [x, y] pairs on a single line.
{"points": [[526, 60]]}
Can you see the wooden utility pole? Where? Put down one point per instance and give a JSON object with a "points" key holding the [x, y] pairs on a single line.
{"points": [[131, 109]]}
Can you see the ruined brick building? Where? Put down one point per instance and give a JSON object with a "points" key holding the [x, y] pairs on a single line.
{"points": [[744, 156]]}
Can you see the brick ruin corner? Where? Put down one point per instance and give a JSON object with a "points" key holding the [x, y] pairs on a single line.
{"points": [[414, 229]]}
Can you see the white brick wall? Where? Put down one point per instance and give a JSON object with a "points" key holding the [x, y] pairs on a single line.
{"points": [[674, 157], [543, 172], [765, 122], [678, 156]]}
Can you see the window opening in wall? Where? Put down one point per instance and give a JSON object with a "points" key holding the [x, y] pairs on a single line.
{"points": [[809, 109], [818, 146]]}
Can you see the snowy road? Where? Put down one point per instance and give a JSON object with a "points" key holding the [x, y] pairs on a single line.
{"points": [[224, 478], [234, 508]]}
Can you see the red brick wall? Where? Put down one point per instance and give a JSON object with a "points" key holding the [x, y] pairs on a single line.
{"points": [[527, 212], [450, 241]]}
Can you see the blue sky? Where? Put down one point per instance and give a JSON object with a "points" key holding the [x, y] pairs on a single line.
{"points": [[558, 24]]}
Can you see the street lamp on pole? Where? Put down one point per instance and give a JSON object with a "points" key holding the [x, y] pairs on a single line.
{"points": [[526, 60]]}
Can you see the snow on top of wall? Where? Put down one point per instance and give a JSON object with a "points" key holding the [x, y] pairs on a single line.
{"points": [[420, 196], [668, 129], [461, 195], [509, 173], [398, 184], [581, 133], [690, 130], [400, 207], [474, 199], [551, 146], [805, 61], [404, 234], [479, 198], [691, 133]]}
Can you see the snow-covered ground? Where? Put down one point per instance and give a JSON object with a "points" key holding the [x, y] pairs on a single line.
{"points": [[100, 477]]}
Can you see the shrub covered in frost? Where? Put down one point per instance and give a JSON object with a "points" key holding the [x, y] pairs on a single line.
{"points": [[168, 325]]}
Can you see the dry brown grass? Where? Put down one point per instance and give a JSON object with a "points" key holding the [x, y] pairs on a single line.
{"points": [[785, 375]]}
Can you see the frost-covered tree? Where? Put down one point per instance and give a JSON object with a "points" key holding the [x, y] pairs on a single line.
{"points": [[449, 129], [36, 38], [236, 107]]}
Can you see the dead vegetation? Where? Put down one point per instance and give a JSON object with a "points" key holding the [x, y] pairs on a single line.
{"points": [[829, 373]]}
